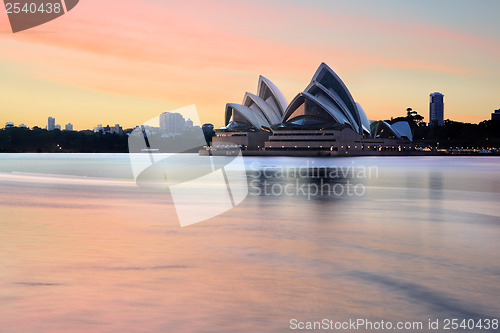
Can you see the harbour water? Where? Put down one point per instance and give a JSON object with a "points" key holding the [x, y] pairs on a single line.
{"points": [[84, 249]]}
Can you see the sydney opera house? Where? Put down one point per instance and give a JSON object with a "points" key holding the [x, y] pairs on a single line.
{"points": [[323, 120]]}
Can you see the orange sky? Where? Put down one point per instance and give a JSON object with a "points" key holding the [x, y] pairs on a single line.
{"points": [[109, 62]]}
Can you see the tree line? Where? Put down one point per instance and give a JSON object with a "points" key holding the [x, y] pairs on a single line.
{"points": [[37, 140], [452, 133]]}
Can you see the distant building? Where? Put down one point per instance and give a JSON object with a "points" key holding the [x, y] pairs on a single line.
{"points": [[68, 127], [189, 123], [496, 115], [51, 124], [117, 129], [23, 126], [58, 127], [108, 129], [436, 117], [172, 123], [9, 124]]}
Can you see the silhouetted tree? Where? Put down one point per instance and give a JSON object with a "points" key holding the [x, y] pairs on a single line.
{"points": [[414, 117]]}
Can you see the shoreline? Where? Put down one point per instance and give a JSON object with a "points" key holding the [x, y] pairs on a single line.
{"points": [[285, 153], [263, 153]]}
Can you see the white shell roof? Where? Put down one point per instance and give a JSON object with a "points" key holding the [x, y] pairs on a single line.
{"points": [[403, 129], [325, 104], [256, 103], [256, 119], [328, 78], [267, 88]]}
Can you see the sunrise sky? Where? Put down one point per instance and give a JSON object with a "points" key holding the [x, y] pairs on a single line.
{"points": [[108, 62]]}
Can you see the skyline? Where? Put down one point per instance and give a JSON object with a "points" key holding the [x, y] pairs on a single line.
{"points": [[41, 126], [130, 63]]}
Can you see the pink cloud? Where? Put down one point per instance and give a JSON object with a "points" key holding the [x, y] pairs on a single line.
{"points": [[210, 52]]}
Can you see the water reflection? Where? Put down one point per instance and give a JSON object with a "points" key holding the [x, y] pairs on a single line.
{"points": [[103, 255], [308, 183]]}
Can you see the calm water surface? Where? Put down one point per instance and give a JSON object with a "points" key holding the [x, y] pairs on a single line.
{"points": [[83, 249]]}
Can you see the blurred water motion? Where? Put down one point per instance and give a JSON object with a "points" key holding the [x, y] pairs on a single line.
{"points": [[83, 249]]}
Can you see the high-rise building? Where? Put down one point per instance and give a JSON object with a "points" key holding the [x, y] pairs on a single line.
{"points": [[189, 123], [69, 127], [172, 123], [52, 124], [496, 115], [117, 129], [436, 110]]}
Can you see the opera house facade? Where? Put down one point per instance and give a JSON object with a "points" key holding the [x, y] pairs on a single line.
{"points": [[323, 120]]}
